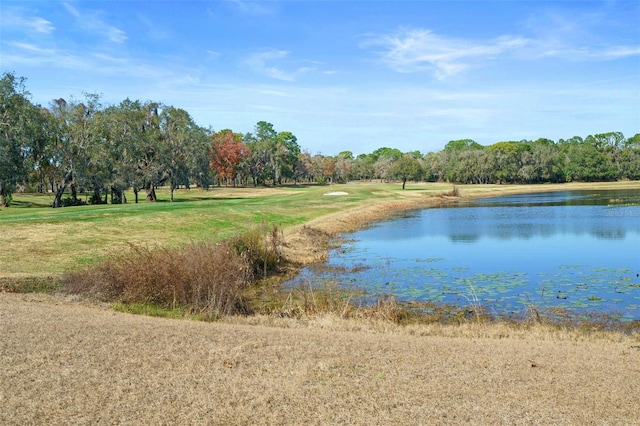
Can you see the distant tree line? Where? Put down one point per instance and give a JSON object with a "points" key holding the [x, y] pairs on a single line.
{"points": [[73, 147]]}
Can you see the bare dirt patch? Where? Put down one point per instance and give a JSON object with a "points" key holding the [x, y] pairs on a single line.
{"points": [[65, 363]]}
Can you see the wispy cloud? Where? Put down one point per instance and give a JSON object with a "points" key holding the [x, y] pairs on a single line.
{"points": [[14, 18], [93, 22], [619, 52], [31, 48], [587, 36], [213, 54], [30, 54], [421, 50], [271, 63], [39, 25], [96, 62], [416, 50], [152, 29], [586, 53], [252, 7]]}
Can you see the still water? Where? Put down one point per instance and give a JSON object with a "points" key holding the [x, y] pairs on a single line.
{"points": [[577, 250]]}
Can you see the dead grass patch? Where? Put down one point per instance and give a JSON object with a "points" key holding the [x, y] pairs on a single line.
{"points": [[205, 279], [67, 363]]}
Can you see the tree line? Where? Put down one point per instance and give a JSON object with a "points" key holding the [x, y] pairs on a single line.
{"points": [[82, 146]]}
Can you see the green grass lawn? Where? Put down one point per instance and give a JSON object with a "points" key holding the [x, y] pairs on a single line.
{"points": [[38, 240]]}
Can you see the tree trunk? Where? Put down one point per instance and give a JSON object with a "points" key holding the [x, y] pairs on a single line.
{"points": [[135, 193], [74, 193], [97, 198], [57, 201], [151, 193], [117, 195], [3, 197]]}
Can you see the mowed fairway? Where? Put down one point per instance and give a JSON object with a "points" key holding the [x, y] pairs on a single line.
{"points": [[43, 241], [69, 361]]}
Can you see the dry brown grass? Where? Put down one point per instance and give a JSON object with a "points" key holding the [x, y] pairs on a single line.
{"points": [[205, 279], [208, 280], [67, 363]]}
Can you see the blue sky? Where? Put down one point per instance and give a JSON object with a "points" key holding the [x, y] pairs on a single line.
{"points": [[344, 75]]}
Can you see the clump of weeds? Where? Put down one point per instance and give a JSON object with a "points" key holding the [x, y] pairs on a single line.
{"points": [[204, 279]]}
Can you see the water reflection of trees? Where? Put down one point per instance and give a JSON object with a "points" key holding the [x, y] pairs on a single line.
{"points": [[609, 234], [464, 238]]}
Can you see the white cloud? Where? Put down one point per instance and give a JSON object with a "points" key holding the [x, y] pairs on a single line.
{"points": [[582, 36], [153, 30], [39, 25], [32, 48], [586, 53], [619, 52], [271, 62], [92, 22], [419, 50], [252, 7], [212, 54], [14, 18]]}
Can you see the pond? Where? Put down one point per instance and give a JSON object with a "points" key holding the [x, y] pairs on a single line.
{"points": [[575, 250]]}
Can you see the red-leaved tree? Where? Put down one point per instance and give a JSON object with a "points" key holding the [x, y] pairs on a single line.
{"points": [[226, 153]]}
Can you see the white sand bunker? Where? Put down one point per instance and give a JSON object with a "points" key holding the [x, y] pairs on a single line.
{"points": [[336, 193]]}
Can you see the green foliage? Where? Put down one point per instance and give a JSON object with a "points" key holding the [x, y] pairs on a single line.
{"points": [[389, 153], [462, 144], [69, 202], [83, 146], [21, 126], [406, 167], [260, 248], [150, 309], [274, 156]]}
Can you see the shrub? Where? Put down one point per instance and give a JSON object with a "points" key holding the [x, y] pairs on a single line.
{"points": [[205, 279], [70, 202], [202, 278], [261, 249]]}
